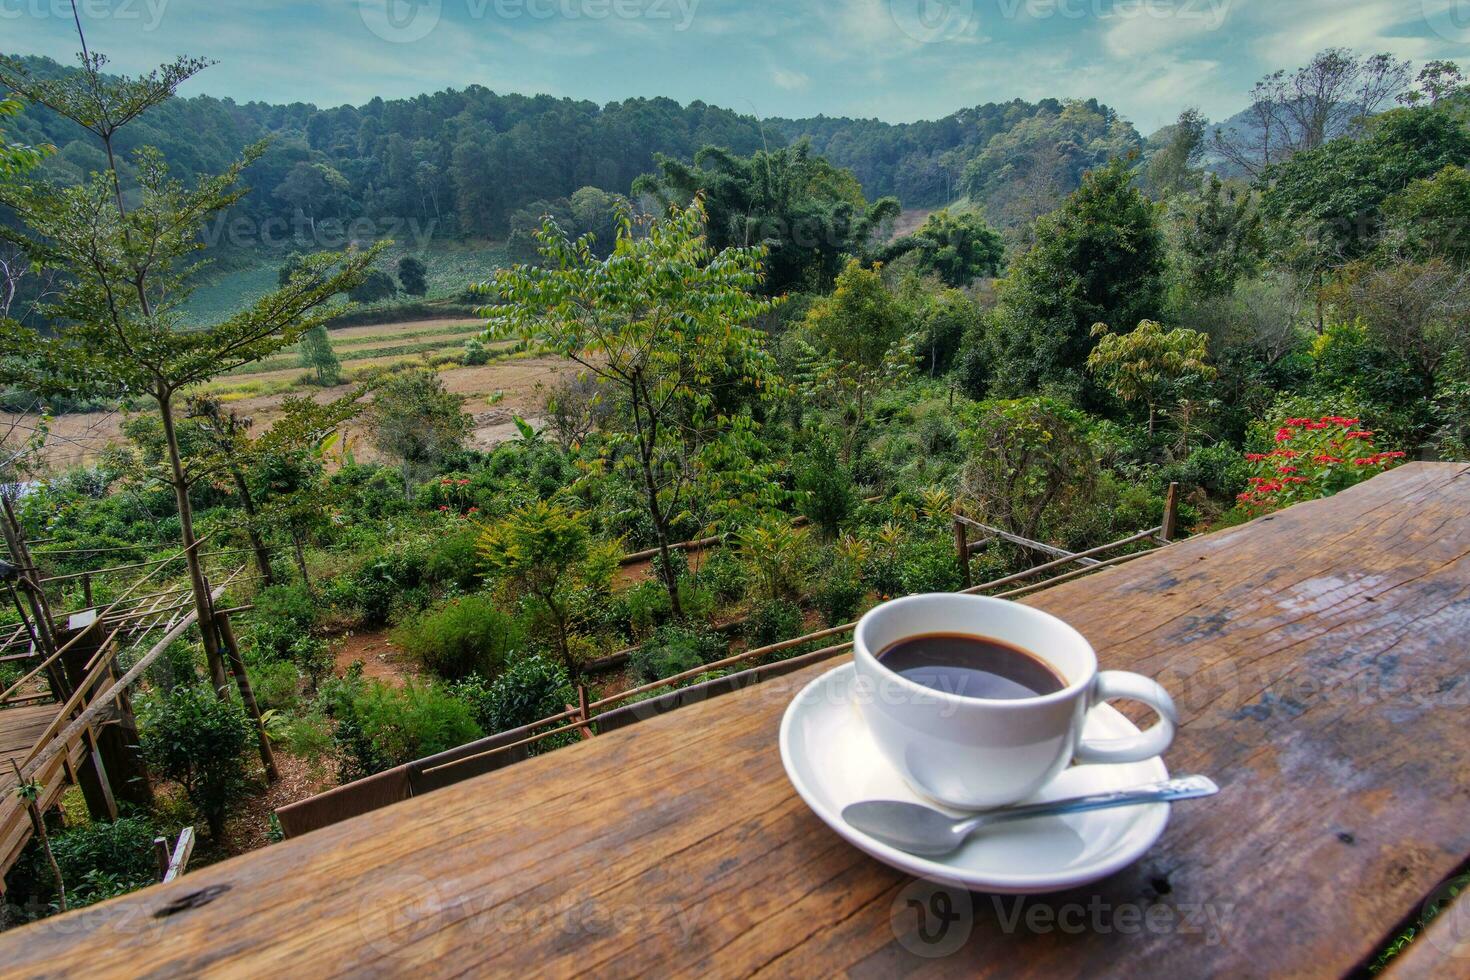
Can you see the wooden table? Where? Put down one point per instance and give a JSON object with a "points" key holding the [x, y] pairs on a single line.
{"points": [[1321, 664]]}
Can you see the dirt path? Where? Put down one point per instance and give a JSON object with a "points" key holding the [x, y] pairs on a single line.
{"points": [[381, 660]]}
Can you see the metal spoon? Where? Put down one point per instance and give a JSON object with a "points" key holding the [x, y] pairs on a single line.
{"points": [[928, 832]]}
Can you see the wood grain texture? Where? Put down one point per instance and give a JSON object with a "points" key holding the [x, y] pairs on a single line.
{"points": [[1319, 658]]}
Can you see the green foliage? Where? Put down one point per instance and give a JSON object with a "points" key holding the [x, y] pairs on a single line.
{"points": [[467, 635], [380, 726], [927, 563], [1026, 170], [316, 354], [194, 738], [418, 422], [958, 248], [811, 213], [530, 689], [98, 860], [1217, 238], [840, 594], [1100, 258], [1150, 364], [475, 352], [17, 157], [772, 621], [375, 287], [1428, 218], [772, 551], [454, 558], [827, 493], [674, 649], [413, 276], [1032, 468], [656, 323]]}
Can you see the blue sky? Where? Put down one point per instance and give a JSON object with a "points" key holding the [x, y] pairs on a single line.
{"points": [[897, 60]]}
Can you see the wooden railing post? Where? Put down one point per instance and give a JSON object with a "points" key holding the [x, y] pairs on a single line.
{"points": [[1171, 513], [962, 549]]}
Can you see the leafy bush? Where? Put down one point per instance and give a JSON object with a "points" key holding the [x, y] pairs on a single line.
{"points": [[465, 636], [928, 564], [475, 352], [674, 649], [646, 605], [453, 559], [827, 493], [772, 622], [380, 726], [98, 860], [384, 584], [192, 737], [1313, 458], [839, 596], [288, 604], [722, 574], [276, 684], [531, 688]]}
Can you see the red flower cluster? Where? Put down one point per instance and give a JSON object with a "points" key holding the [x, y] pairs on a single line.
{"points": [[1317, 466]]}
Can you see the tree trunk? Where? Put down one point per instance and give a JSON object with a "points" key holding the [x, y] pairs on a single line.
{"points": [[252, 531], [1151, 415], [207, 632], [300, 551], [647, 442]]}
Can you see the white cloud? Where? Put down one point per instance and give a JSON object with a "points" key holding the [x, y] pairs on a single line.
{"points": [[789, 80]]}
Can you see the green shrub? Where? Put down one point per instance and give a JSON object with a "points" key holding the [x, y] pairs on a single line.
{"points": [[773, 621], [290, 605], [928, 564], [723, 575], [674, 649], [380, 726], [192, 737], [839, 596], [827, 493], [276, 683], [468, 635], [475, 353], [98, 860], [646, 605], [454, 560], [385, 585], [531, 688]]}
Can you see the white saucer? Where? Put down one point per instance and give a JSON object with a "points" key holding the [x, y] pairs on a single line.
{"points": [[832, 761]]}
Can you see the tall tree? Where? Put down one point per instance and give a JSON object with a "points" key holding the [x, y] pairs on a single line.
{"points": [[958, 248], [416, 421], [1151, 364], [317, 354], [665, 323], [119, 315], [1301, 110], [1100, 257], [1175, 167], [413, 276]]}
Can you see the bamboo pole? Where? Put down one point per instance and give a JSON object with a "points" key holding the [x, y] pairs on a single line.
{"points": [[247, 694]]}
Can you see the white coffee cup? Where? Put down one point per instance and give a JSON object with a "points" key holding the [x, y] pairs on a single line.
{"points": [[975, 753]]}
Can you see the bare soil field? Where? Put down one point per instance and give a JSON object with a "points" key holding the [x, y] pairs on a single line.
{"points": [[79, 437]]}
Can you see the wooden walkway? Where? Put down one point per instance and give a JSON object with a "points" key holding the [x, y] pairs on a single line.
{"points": [[1320, 658], [19, 730]]}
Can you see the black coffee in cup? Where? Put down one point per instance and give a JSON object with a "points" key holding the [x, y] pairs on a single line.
{"points": [[971, 666]]}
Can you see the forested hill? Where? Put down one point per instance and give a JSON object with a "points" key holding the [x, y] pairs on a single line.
{"points": [[464, 162]]}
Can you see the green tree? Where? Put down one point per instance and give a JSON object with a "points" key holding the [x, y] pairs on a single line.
{"points": [[316, 354], [543, 550], [120, 321], [1431, 217], [199, 741], [666, 323], [807, 213], [376, 286], [958, 248], [859, 343], [1100, 257], [17, 157], [1150, 364], [1217, 238], [415, 420], [314, 189], [413, 276], [1174, 169], [1032, 470]]}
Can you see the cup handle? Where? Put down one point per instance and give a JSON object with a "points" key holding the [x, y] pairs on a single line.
{"points": [[1131, 748]]}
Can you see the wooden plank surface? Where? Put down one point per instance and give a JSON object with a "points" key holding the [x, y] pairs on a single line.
{"points": [[1319, 658], [19, 729]]}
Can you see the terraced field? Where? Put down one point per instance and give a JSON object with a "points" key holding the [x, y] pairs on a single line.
{"points": [[518, 377]]}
